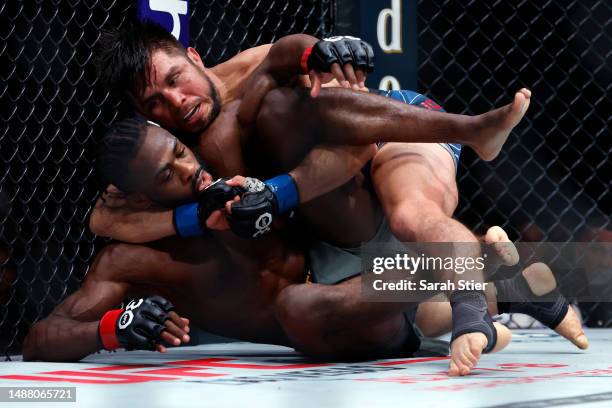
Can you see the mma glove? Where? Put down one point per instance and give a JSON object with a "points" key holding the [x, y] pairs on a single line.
{"points": [[190, 219], [341, 50], [252, 216], [137, 327]]}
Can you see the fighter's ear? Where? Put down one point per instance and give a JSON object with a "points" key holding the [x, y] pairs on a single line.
{"points": [[194, 57]]}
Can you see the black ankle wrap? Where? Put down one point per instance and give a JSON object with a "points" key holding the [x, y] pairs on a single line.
{"points": [[470, 315]]}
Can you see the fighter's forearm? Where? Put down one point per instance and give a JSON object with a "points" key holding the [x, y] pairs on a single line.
{"points": [[284, 58], [327, 167], [133, 227], [61, 339]]}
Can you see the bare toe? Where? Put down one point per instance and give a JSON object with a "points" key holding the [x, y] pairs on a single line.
{"points": [[571, 329], [453, 370], [495, 126], [518, 108], [504, 248], [526, 92], [496, 234], [465, 353]]}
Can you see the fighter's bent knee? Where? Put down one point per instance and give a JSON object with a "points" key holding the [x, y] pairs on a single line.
{"points": [[310, 314], [304, 307], [403, 222], [407, 219]]}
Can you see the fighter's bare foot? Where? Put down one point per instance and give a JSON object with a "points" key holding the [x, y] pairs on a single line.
{"points": [[571, 329], [541, 281], [495, 126], [502, 245], [467, 349]]}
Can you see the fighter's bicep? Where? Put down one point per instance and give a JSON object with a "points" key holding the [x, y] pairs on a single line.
{"points": [[243, 64], [102, 290], [91, 301], [255, 55]]}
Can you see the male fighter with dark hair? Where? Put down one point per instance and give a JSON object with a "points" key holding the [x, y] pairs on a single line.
{"points": [[223, 285], [190, 114], [311, 317], [148, 158], [178, 94]]}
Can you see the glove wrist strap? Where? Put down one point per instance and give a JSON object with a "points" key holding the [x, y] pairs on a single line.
{"points": [[186, 221], [304, 60], [107, 329], [286, 192]]}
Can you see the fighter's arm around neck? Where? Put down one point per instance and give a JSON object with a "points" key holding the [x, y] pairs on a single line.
{"points": [[124, 220], [323, 169]]}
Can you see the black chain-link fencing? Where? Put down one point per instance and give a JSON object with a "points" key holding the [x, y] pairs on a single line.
{"points": [[551, 182], [53, 110]]}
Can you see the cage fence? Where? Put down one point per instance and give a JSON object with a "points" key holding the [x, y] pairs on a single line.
{"points": [[551, 182]]}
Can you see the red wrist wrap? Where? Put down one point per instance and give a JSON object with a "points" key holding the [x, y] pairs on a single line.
{"points": [[108, 335], [304, 60]]}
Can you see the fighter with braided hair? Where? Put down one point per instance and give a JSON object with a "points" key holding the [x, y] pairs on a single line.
{"points": [[180, 94]]}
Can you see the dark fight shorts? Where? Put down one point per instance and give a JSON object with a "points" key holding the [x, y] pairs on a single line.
{"points": [[417, 99]]}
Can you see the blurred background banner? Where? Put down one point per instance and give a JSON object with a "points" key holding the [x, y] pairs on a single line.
{"points": [[390, 27], [170, 14], [551, 182]]}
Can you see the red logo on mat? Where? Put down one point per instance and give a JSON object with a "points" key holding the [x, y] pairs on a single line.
{"points": [[218, 367], [184, 369]]}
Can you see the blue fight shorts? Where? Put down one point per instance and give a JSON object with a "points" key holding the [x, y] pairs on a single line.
{"points": [[417, 99]]}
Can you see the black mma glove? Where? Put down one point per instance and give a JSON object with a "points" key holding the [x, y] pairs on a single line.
{"points": [[341, 50], [252, 216], [138, 326], [190, 219]]}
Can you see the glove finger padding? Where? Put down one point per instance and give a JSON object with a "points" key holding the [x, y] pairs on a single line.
{"points": [[369, 56], [363, 55], [150, 333], [322, 57], [165, 304], [215, 196], [253, 215], [155, 313], [139, 341], [141, 324], [341, 50]]}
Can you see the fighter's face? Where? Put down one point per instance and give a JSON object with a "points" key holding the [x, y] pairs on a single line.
{"points": [[166, 171], [179, 95]]}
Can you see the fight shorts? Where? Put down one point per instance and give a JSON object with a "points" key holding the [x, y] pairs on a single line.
{"points": [[330, 265], [417, 99]]}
